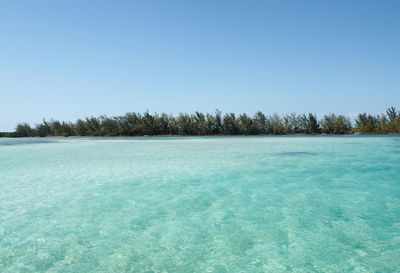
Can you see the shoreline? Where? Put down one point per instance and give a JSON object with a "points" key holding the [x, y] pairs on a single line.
{"points": [[213, 136]]}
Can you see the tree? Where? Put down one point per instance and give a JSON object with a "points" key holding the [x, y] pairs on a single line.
{"points": [[342, 125], [24, 130], [230, 125], [260, 123], [136, 124], [293, 124], [109, 126], [217, 127], [81, 128], [332, 124], [185, 124], [394, 120], [311, 124], [276, 126], [246, 125], [43, 129], [366, 124]]}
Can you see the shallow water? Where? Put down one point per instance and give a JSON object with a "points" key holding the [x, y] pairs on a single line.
{"points": [[227, 204]]}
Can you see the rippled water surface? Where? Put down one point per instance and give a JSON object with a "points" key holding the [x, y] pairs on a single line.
{"points": [[246, 204]]}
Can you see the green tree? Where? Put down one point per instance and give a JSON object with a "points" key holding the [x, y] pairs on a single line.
{"points": [[276, 125], [136, 124], [312, 124], [260, 123], [24, 130], [332, 124], [230, 125], [246, 125], [43, 129], [366, 124]]}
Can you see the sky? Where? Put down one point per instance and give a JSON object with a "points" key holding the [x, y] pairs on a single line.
{"points": [[72, 59]]}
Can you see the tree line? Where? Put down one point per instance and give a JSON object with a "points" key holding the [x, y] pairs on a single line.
{"points": [[147, 124]]}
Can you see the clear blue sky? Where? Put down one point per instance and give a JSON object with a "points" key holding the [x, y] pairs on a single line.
{"points": [[71, 59]]}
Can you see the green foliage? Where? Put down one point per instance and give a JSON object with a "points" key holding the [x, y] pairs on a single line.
{"points": [[136, 124], [24, 130], [185, 124], [230, 124], [332, 124], [7, 134], [275, 125], [43, 129], [246, 125], [109, 126], [366, 124], [381, 124], [393, 120], [311, 124], [294, 124], [260, 123]]}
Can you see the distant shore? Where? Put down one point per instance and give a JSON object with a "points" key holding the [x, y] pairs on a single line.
{"points": [[12, 135], [199, 124]]}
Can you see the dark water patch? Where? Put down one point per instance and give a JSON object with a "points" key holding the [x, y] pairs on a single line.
{"points": [[395, 147], [297, 154], [25, 141]]}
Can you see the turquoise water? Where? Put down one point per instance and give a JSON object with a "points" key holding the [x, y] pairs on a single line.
{"points": [[245, 204]]}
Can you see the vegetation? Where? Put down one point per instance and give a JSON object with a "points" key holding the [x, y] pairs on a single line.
{"points": [[136, 124], [380, 124], [7, 134]]}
